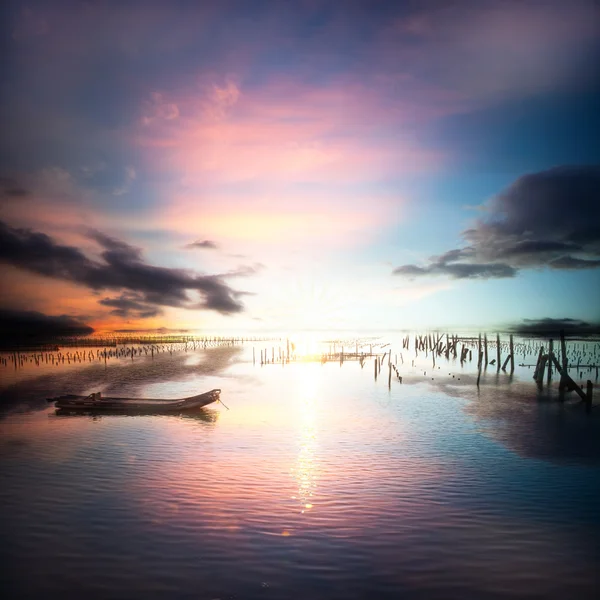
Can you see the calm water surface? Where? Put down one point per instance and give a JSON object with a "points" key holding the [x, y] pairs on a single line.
{"points": [[319, 482]]}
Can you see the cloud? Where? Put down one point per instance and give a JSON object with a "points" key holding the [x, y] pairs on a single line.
{"points": [[287, 130], [548, 219], [130, 305], [548, 326], [22, 325], [457, 270], [204, 244], [10, 188], [130, 176], [121, 268], [157, 108], [245, 271], [219, 100]]}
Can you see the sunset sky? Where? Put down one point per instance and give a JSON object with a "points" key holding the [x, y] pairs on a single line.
{"points": [[260, 165]]}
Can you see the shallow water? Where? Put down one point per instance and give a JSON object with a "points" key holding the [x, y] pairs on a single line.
{"points": [[319, 482]]}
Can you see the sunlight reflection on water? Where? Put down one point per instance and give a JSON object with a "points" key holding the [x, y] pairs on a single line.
{"points": [[306, 468]]}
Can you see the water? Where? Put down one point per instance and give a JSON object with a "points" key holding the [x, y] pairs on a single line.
{"points": [[319, 482]]}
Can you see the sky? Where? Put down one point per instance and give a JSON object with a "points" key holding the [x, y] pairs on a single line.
{"points": [[268, 166]]}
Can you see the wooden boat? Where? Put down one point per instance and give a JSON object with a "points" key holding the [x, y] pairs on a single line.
{"points": [[96, 403]]}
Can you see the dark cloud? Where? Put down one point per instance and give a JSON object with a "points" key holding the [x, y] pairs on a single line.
{"points": [[203, 244], [554, 326], [122, 268], [129, 305], [10, 188], [31, 325], [570, 262], [547, 219], [458, 270]]}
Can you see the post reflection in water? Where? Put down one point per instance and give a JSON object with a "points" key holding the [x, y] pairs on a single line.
{"points": [[306, 468]]}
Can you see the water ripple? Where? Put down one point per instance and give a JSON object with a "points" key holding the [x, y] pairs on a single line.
{"points": [[318, 483]]}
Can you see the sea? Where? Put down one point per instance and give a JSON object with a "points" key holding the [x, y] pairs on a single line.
{"points": [[335, 467]]}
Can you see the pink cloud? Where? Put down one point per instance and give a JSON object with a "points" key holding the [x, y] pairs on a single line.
{"points": [[157, 108], [289, 132]]}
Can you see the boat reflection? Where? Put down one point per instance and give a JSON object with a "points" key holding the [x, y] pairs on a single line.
{"points": [[202, 415]]}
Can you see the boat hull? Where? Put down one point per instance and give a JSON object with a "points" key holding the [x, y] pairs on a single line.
{"points": [[134, 405]]}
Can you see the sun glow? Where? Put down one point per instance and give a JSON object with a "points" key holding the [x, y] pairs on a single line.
{"points": [[309, 304], [306, 343]]}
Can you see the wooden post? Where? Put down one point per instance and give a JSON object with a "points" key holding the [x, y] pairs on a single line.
{"points": [[498, 353], [564, 373], [390, 375], [537, 364], [485, 349], [375, 363], [540, 379], [588, 394], [550, 352], [512, 354], [563, 350], [555, 361]]}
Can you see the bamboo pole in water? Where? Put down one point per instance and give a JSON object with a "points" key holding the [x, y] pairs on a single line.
{"points": [[540, 379], [537, 364], [565, 361], [485, 349], [498, 353], [556, 365]]}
